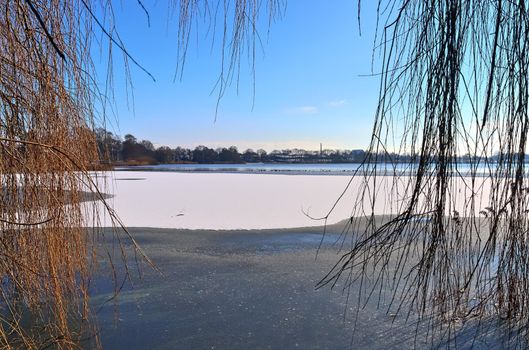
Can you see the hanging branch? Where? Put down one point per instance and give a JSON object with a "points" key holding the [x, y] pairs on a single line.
{"points": [[114, 41], [43, 26], [454, 82]]}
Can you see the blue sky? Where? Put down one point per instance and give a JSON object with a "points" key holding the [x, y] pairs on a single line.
{"points": [[308, 83]]}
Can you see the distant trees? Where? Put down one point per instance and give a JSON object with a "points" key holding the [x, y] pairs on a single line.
{"points": [[182, 154], [108, 145], [261, 153], [147, 145], [203, 154], [229, 155], [249, 156], [165, 155], [113, 149], [137, 152], [131, 151]]}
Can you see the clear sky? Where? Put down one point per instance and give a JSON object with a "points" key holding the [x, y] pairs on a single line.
{"points": [[309, 86]]}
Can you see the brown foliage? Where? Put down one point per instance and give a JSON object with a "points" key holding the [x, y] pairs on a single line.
{"points": [[45, 148], [48, 96]]}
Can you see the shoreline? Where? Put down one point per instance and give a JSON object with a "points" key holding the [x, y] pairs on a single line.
{"points": [[334, 228], [351, 173], [246, 172]]}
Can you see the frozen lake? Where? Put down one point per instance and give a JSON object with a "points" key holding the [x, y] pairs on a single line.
{"points": [[214, 200]]}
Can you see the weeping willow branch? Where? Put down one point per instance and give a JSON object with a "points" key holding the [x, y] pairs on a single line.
{"points": [[48, 99], [453, 85], [47, 102], [240, 20], [43, 26]]}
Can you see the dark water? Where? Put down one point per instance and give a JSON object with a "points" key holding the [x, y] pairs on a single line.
{"points": [[296, 168], [256, 290]]}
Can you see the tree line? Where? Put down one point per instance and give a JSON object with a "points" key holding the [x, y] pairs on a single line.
{"points": [[129, 150]]}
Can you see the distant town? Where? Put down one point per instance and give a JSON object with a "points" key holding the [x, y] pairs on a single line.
{"points": [[131, 151]]}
